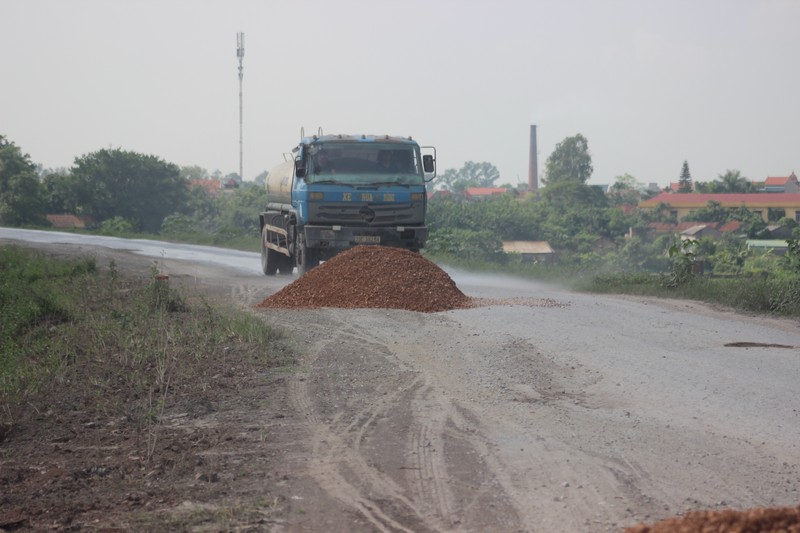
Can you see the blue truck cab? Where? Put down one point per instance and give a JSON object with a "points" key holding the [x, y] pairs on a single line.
{"points": [[340, 191]]}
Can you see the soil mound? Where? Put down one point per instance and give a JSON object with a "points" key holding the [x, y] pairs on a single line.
{"points": [[770, 520], [373, 276]]}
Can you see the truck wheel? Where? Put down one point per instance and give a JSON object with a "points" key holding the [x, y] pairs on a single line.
{"points": [[306, 259], [269, 258], [285, 265]]}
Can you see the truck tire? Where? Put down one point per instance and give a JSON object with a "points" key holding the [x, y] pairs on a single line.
{"points": [[285, 265], [269, 257], [305, 259]]}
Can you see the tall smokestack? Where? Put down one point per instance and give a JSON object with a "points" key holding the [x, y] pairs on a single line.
{"points": [[533, 164]]}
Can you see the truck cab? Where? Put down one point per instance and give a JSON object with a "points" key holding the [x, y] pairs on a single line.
{"points": [[340, 191]]}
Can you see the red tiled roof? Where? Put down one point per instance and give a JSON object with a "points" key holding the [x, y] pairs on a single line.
{"points": [[777, 180], [485, 191], [70, 221], [211, 186], [728, 227]]}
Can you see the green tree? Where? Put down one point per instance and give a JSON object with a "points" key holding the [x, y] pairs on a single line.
{"points": [[261, 179], [483, 245], [570, 161], [751, 223], [142, 189], [713, 212], [685, 180], [21, 193], [60, 192], [194, 172], [733, 182], [626, 190], [568, 195], [472, 174], [201, 207], [239, 208]]}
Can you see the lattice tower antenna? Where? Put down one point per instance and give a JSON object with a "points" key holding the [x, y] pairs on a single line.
{"points": [[240, 55]]}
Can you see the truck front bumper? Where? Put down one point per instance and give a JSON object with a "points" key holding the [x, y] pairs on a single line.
{"points": [[343, 237]]}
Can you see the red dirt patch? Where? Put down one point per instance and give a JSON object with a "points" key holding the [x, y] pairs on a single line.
{"points": [[770, 520], [373, 276]]}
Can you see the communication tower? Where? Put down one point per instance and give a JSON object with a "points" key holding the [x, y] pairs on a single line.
{"points": [[240, 55]]}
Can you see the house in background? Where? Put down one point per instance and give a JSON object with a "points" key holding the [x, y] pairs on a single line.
{"points": [[479, 193], [786, 184], [774, 246], [691, 230], [71, 221], [700, 230], [775, 231], [680, 205], [533, 251]]}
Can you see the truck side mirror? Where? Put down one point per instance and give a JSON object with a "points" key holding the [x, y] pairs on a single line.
{"points": [[428, 164], [299, 168]]}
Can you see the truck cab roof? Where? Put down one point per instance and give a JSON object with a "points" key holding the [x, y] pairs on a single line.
{"points": [[341, 138]]}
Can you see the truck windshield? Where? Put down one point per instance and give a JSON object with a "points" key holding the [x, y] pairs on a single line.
{"points": [[365, 164]]}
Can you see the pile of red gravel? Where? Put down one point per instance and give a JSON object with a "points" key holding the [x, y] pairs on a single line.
{"points": [[771, 520], [373, 276]]}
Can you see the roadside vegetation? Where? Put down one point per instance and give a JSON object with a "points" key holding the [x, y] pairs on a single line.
{"points": [[601, 240], [122, 347], [762, 283]]}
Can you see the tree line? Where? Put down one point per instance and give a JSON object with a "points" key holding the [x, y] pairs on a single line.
{"points": [[126, 192]]}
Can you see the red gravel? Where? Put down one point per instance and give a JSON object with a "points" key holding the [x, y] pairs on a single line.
{"points": [[771, 520], [373, 276]]}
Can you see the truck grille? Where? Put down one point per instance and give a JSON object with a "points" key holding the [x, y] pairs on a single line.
{"points": [[366, 214]]}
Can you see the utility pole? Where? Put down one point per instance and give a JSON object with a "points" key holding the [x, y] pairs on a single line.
{"points": [[240, 55]]}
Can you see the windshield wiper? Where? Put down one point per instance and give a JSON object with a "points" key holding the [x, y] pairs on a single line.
{"points": [[400, 183], [330, 182]]}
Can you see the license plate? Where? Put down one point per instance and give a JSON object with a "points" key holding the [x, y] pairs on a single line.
{"points": [[368, 239]]}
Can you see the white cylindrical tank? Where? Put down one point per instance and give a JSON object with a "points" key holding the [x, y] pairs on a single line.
{"points": [[279, 183]]}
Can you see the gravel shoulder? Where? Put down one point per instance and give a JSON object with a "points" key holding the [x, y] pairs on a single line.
{"points": [[559, 413]]}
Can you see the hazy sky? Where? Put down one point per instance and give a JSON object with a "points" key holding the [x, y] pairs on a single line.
{"points": [[648, 83]]}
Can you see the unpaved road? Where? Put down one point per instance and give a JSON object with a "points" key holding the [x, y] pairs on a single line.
{"points": [[562, 413]]}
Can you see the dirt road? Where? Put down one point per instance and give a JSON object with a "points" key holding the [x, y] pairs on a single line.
{"points": [[560, 413]]}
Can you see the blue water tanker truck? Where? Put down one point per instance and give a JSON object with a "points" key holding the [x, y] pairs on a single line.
{"points": [[338, 191]]}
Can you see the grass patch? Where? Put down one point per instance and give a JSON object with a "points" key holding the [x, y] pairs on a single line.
{"points": [[761, 293], [73, 332]]}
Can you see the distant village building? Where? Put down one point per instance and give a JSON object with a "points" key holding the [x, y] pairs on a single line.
{"points": [[700, 230], [534, 251], [681, 205], [71, 221], [211, 186], [785, 184], [689, 230], [479, 193]]}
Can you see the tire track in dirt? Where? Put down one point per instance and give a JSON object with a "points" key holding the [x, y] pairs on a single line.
{"points": [[338, 464], [533, 472], [428, 480], [464, 447]]}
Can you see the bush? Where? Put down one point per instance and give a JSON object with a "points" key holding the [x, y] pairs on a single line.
{"points": [[117, 226]]}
